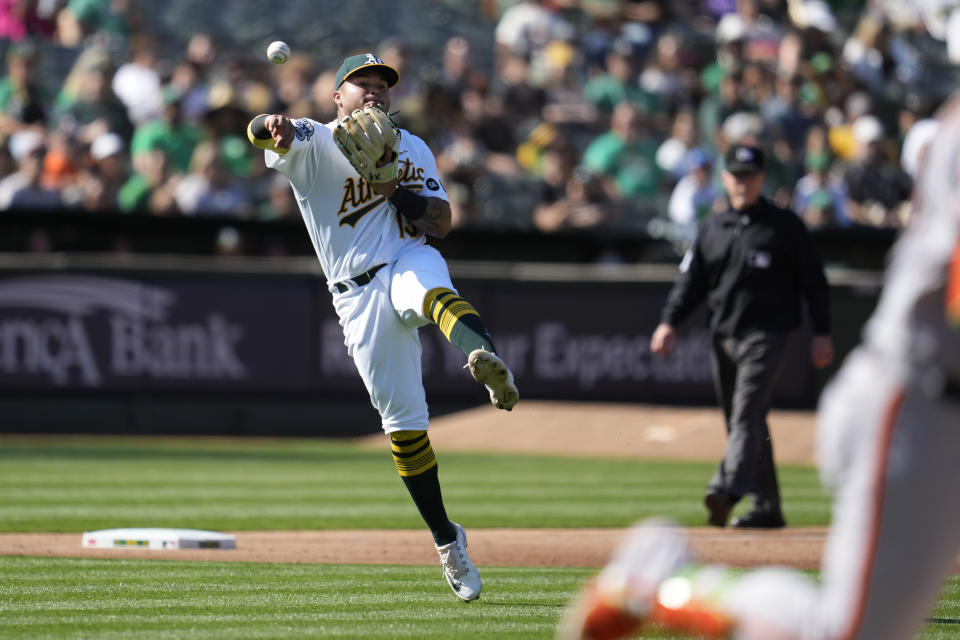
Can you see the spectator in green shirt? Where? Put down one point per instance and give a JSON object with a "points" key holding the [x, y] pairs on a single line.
{"points": [[620, 83], [626, 155], [177, 139], [23, 98], [151, 188], [80, 20], [86, 105]]}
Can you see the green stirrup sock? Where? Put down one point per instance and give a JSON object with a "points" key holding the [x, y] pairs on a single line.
{"points": [[417, 467], [458, 321]]}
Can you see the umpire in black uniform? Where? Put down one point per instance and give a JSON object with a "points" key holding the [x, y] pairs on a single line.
{"points": [[752, 264]]}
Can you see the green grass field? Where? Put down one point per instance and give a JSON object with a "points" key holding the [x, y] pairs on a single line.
{"points": [[77, 484]]}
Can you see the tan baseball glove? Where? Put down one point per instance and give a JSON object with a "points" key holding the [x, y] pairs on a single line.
{"points": [[363, 137]]}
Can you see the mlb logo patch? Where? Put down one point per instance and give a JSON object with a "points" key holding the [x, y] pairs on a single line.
{"points": [[759, 259]]}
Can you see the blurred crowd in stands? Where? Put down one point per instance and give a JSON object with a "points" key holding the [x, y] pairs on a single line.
{"points": [[590, 114]]}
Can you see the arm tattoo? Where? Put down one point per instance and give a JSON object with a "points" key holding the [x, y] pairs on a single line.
{"points": [[436, 219]]}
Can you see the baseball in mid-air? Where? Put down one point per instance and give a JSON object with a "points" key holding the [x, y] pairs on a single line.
{"points": [[278, 52]]}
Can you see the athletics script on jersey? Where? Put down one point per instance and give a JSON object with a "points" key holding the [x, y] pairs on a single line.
{"points": [[359, 198]]}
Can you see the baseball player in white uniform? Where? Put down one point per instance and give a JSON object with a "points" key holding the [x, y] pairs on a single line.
{"points": [[386, 282], [888, 447]]}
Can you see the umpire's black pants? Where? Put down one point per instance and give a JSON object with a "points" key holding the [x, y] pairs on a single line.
{"points": [[745, 372]]}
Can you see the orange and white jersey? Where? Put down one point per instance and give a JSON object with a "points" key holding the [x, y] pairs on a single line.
{"points": [[917, 320], [887, 444]]}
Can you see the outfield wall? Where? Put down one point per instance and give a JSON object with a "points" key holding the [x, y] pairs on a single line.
{"points": [[252, 346]]}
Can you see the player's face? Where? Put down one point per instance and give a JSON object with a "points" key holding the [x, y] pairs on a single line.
{"points": [[743, 188], [364, 88]]}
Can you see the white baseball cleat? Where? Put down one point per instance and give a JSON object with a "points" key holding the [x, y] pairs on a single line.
{"points": [[487, 368], [459, 571], [638, 585]]}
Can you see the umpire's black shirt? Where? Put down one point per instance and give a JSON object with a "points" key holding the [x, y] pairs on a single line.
{"points": [[752, 267]]}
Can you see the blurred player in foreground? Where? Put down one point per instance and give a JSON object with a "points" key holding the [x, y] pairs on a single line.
{"points": [[889, 448], [386, 282]]}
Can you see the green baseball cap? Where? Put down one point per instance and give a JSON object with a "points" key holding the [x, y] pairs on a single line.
{"points": [[365, 61]]}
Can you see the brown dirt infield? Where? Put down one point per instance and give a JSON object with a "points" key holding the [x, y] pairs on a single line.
{"points": [[611, 430], [796, 547]]}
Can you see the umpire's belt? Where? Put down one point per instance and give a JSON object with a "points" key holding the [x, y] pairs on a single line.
{"points": [[359, 280]]}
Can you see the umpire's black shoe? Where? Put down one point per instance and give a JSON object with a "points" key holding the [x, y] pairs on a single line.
{"points": [[718, 503], [759, 520]]}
